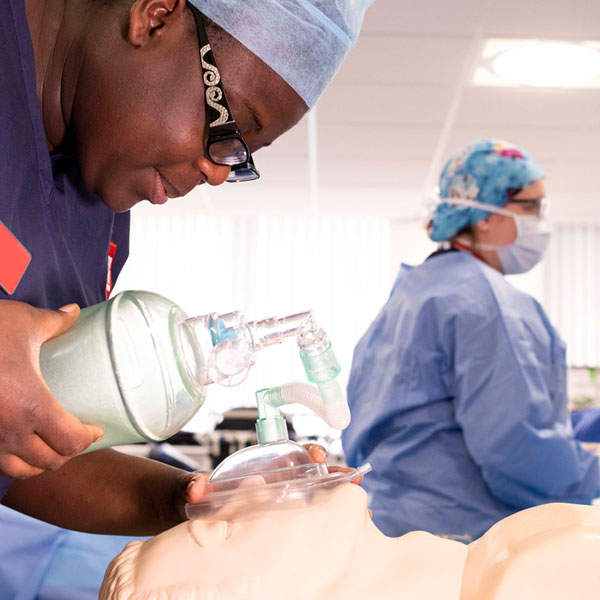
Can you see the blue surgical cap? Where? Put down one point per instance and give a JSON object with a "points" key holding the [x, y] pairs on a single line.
{"points": [[484, 171], [304, 41]]}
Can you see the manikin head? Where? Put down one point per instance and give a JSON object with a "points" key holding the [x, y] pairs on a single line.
{"points": [[330, 550]]}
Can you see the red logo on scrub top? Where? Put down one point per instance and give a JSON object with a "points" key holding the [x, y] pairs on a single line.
{"points": [[112, 249], [14, 260]]}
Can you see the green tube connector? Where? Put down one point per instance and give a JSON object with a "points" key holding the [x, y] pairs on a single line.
{"points": [[322, 367]]}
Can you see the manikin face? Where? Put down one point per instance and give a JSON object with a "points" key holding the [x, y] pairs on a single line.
{"points": [[330, 550], [256, 557]]}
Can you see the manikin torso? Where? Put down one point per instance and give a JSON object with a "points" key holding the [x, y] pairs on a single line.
{"points": [[330, 550], [549, 552]]}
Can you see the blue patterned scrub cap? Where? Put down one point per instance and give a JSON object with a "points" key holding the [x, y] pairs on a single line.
{"points": [[484, 171], [304, 41]]}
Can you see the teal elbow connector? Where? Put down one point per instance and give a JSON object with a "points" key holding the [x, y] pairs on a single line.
{"points": [[270, 426], [322, 367]]}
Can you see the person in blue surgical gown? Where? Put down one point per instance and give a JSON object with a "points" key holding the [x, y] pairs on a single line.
{"points": [[458, 388]]}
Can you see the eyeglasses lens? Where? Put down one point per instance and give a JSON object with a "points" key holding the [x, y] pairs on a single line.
{"points": [[242, 174], [228, 152]]}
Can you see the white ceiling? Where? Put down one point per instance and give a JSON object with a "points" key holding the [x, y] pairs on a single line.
{"points": [[404, 101]]}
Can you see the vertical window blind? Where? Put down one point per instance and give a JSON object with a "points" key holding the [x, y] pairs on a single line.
{"points": [[571, 290]]}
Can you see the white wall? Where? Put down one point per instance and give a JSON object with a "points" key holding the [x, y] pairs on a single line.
{"points": [[410, 244]]}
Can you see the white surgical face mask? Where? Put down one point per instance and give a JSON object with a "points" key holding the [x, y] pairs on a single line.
{"points": [[533, 235]]}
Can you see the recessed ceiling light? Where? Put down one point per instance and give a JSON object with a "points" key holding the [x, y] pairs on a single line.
{"points": [[549, 64]]}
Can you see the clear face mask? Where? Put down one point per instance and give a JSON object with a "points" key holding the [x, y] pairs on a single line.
{"points": [[533, 235]]}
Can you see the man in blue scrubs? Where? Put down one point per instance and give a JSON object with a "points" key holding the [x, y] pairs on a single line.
{"points": [[103, 104]]}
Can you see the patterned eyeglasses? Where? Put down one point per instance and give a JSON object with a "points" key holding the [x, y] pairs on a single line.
{"points": [[225, 145]]}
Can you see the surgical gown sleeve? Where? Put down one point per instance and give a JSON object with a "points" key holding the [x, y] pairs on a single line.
{"points": [[510, 400], [586, 424]]}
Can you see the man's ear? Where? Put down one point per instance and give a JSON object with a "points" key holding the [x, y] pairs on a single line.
{"points": [[482, 226], [149, 18]]}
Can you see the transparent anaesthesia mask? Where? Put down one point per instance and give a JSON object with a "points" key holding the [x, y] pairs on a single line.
{"points": [[533, 235]]}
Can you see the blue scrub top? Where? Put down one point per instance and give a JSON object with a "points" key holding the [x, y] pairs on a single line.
{"points": [[586, 424], [43, 562], [69, 233], [67, 230], [458, 400]]}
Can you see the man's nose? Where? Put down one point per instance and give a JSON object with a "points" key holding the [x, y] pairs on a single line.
{"points": [[215, 174]]}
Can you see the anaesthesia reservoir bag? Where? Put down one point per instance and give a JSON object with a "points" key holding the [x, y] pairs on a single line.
{"points": [[138, 367]]}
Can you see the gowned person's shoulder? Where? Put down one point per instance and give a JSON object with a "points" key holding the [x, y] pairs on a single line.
{"points": [[451, 284]]}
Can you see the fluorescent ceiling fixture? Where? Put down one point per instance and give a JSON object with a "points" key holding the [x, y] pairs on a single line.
{"points": [[550, 64]]}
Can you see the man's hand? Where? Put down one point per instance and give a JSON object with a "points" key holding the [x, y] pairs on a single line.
{"points": [[319, 455], [190, 489], [36, 432]]}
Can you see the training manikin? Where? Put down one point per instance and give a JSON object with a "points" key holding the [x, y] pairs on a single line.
{"points": [[331, 550]]}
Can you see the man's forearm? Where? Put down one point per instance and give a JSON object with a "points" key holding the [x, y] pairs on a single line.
{"points": [[103, 492]]}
